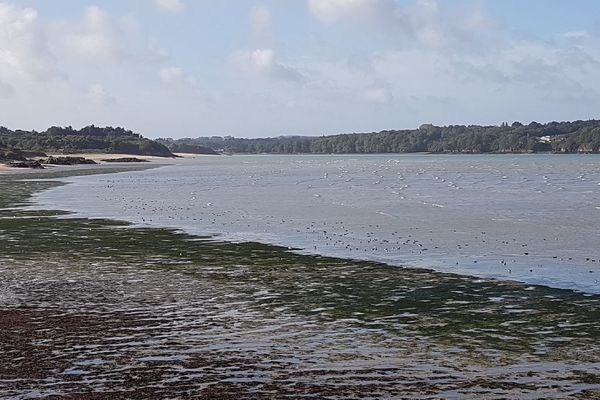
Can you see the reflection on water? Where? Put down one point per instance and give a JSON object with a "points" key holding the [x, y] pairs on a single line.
{"points": [[96, 305], [533, 218]]}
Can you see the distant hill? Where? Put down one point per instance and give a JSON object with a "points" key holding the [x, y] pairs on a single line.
{"points": [[560, 137], [90, 139]]}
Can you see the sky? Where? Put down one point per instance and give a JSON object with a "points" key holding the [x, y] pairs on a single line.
{"points": [[249, 68]]}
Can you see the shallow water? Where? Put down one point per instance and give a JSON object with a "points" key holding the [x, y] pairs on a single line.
{"points": [[100, 306], [533, 218]]}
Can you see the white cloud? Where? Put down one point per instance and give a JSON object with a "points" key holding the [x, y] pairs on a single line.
{"points": [[477, 20], [98, 39], [263, 63], [443, 28], [330, 11], [6, 90], [23, 49], [260, 24], [169, 6], [431, 36], [97, 94], [261, 59], [94, 38], [381, 95], [419, 23], [176, 75], [156, 51], [171, 74], [576, 35]]}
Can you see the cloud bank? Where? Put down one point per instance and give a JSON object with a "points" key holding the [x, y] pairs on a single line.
{"points": [[304, 67]]}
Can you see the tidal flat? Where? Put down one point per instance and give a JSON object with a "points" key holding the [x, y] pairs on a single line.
{"points": [[99, 308], [531, 218]]}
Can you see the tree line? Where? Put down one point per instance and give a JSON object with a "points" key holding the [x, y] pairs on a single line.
{"points": [[564, 137]]}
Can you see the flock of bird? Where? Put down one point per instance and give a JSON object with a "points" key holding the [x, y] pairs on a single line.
{"points": [[358, 211]]}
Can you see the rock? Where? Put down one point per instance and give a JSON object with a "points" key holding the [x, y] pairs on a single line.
{"points": [[124, 160], [18, 154], [26, 164], [68, 160]]}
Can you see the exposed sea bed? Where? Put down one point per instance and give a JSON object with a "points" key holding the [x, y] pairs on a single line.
{"points": [[101, 306], [532, 218]]}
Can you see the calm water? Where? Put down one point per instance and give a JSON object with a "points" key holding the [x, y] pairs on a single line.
{"points": [[532, 218], [95, 305]]}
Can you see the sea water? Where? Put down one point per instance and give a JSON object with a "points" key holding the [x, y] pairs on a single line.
{"points": [[531, 218]]}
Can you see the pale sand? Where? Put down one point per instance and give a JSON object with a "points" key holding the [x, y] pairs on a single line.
{"points": [[98, 157]]}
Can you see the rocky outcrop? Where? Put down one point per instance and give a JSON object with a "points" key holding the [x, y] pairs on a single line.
{"points": [[17, 158], [124, 160], [68, 160], [11, 154], [26, 164]]}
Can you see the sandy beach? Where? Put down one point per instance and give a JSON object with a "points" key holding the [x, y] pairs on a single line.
{"points": [[98, 158]]}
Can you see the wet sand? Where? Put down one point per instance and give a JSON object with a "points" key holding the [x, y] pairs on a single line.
{"points": [[102, 309]]}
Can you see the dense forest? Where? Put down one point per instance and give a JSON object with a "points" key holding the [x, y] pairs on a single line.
{"points": [[90, 139], [563, 137]]}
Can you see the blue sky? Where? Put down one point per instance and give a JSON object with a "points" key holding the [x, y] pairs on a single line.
{"points": [[187, 68]]}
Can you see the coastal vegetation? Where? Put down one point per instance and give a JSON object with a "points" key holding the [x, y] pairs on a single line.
{"points": [[560, 137], [90, 139]]}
